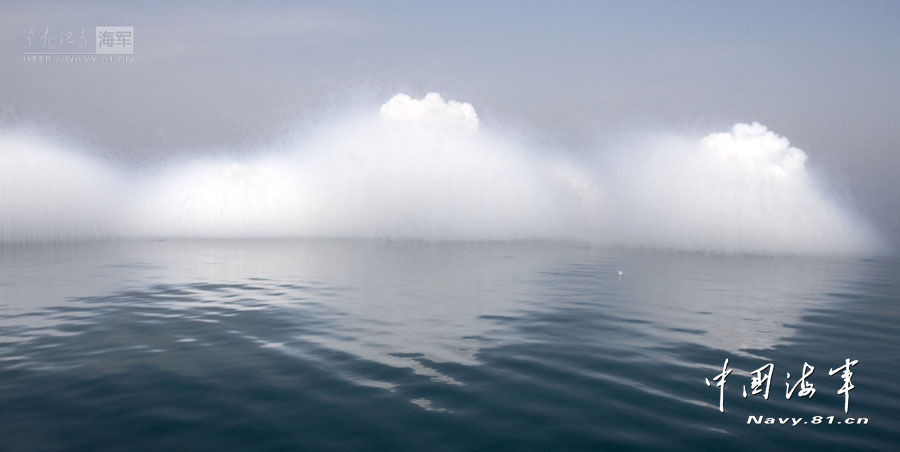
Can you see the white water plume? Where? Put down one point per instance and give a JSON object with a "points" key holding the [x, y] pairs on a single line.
{"points": [[426, 169], [50, 192], [747, 190]]}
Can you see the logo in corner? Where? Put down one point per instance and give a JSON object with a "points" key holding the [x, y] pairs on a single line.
{"points": [[115, 40]]}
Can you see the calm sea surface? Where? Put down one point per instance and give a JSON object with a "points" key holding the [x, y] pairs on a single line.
{"points": [[355, 345]]}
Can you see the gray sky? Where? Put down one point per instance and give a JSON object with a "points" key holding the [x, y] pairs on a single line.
{"points": [[228, 75]]}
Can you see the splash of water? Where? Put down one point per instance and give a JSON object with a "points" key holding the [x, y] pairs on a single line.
{"points": [[426, 169], [747, 190], [49, 192]]}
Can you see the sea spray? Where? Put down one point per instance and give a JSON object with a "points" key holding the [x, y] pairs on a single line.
{"points": [[417, 169], [50, 191], [746, 190], [428, 169]]}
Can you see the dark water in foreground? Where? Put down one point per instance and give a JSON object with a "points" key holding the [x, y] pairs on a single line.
{"points": [[331, 345]]}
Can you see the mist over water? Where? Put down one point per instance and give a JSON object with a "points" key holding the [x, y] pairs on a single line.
{"points": [[428, 169]]}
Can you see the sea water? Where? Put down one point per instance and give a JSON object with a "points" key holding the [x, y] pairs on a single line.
{"points": [[405, 345]]}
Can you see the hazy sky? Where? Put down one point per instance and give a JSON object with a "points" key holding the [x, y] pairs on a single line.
{"points": [[228, 75]]}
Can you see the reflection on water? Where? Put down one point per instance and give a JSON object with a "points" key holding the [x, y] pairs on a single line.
{"points": [[350, 344]]}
